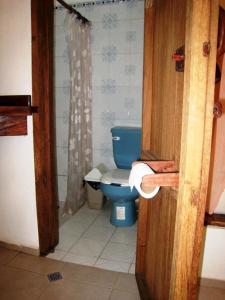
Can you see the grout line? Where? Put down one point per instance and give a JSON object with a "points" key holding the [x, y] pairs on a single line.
{"points": [[68, 251], [106, 244]]}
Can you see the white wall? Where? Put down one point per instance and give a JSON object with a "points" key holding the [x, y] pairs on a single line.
{"points": [[18, 216], [214, 254]]}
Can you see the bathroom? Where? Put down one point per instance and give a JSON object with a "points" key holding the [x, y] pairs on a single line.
{"points": [[117, 66]]}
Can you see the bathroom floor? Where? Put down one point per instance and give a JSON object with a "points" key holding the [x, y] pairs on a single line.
{"points": [[88, 238], [24, 277]]}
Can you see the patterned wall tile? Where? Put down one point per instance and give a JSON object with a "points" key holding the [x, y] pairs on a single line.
{"points": [[109, 53], [110, 21], [108, 86], [117, 62]]}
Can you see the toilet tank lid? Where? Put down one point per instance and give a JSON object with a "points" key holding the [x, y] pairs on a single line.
{"points": [[116, 176]]}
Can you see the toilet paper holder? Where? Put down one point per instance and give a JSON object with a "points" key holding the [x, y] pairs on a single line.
{"points": [[166, 174]]}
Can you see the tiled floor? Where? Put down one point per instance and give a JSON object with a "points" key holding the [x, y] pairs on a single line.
{"points": [[24, 277], [88, 238]]}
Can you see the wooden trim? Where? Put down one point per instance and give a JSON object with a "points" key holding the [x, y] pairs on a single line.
{"points": [[201, 26], [44, 133], [13, 112], [20, 248], [148, 75], [222, 3], [146, 132], [215, 220]]}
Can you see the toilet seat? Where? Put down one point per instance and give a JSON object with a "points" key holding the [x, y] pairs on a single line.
{"points": [[116, 176]]}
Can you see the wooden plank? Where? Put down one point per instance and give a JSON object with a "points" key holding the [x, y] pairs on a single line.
{"points": [[201, 26], [16, 110], [222, 3], [13, 126], [215, 220], [166, 106], [147, 80], [163, 179], [44, 135], [146, 130], [15, 100]]}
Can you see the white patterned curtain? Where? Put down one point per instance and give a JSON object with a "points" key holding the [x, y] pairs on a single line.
{"points": [[80, 126]]}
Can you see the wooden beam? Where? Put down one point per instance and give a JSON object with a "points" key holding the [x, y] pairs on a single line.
{"points": [[199, 77], [215, 220], [148, 73], [222, 3]]}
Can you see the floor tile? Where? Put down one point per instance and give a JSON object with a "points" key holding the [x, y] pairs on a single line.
{"points": [[71, 228], [88, 247], [210, 293], [80, 259], [20, 285], [36, 264], [66, 241], [119, 252], [91, 275], [103, 220], [6, 255], [57, 254], [125, 236], [121, 295], [76, 290], [99, 233], [126, 282], [112, 265], [132, 269]]}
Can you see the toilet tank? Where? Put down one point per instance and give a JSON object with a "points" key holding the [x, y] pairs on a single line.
{"points": [[126, 145]]}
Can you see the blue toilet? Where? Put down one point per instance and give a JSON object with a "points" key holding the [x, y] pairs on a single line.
{"points": [[114, 184]]}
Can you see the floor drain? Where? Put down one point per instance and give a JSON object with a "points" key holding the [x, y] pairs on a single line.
{"points": [[54, 276]]}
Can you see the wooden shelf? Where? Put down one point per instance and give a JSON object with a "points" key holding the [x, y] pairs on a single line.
{"points": [[13, 114], [215, 220], [166, 174]]}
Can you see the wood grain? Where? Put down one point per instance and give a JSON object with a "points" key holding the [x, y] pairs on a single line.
{"points": [[147, 79], [201, 26], [44, 133], [157, 216], [13, 126], [215, 220], [217, 164]]}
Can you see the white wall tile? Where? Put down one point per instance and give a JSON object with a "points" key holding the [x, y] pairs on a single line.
{"points": [[62, 187], [117, 61], [62, 131], [62, 98], [62, 159]]}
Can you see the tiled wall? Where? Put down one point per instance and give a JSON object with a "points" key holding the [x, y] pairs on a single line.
{"points": [[117, 61]]}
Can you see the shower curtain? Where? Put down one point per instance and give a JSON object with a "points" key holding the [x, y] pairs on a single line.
{"points": [[80, 125]]}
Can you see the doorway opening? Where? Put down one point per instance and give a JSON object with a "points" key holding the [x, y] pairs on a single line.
{"points": [[87, 237]]}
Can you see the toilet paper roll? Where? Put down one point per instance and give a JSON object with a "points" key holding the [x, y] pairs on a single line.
{"points": [[137, 172]]}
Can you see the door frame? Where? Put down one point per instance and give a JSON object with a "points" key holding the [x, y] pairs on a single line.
{"points": [[42, 13], [198, 99]]}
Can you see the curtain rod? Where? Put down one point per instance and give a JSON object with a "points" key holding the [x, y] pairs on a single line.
{"points": [[98, 2], [74, 11]]}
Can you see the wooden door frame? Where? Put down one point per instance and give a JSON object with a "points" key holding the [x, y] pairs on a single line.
{"points": [[43, 123], [197, 98]]}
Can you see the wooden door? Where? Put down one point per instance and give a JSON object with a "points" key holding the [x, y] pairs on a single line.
{"points": [[43, 123], [177, 125]]}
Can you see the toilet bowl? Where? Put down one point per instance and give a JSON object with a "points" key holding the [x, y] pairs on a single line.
{"points": [[114, 184]]}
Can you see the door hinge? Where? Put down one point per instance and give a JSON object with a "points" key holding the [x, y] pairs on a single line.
{"points": [[206, 48], [179, 57]]}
